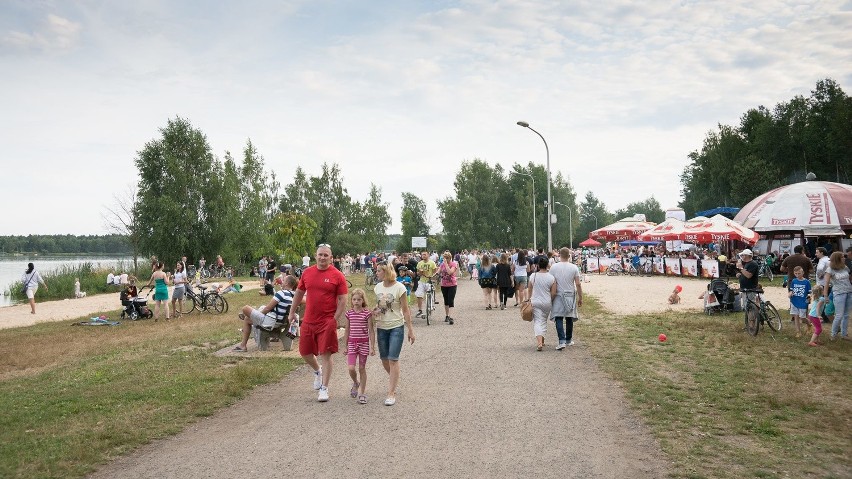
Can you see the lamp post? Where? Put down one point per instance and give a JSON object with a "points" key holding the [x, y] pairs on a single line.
{"points": [[535, 242], [570, 224], [593, 216], [549, 199]]}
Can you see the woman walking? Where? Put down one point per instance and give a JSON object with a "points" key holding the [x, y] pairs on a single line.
{"points": [[520, 270], [392, 317], [504, 279], [31, 279], [837, 278], [487, 279], [161, 290], [449, 283], [542, 290]]}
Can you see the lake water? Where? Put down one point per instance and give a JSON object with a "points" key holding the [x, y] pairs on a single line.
{"points": [[12, 267]]}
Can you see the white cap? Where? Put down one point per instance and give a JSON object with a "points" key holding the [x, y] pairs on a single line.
{"points": [[746, 252]]}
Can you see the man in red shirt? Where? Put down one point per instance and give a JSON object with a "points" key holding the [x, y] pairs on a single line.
{"points": [[324, 306]]}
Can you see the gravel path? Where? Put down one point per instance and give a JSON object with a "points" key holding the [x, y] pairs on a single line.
{"points": [[475, 400]]}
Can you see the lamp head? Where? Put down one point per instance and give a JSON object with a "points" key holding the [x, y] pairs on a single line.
{"points": [[524, 124]]}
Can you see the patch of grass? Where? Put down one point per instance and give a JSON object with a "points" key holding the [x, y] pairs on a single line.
{"points": [[724, 404], [74, 397]]}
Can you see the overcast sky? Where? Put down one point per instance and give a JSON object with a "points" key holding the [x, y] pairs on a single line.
{"points": [[396, 92]]}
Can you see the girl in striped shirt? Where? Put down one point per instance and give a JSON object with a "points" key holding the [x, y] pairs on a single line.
{"points": [[360, 340]]}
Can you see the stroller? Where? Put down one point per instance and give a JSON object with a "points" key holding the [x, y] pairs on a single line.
{"points": [[136, 307], [720, 298]]}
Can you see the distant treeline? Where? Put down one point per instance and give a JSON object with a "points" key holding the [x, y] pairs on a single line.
{"points": [[65, 244]]}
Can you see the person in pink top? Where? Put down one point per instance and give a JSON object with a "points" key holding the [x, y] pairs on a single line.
{"points": [[449, 282], [360, 339]]}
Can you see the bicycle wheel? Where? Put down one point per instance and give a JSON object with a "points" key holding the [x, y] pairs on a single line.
{"points": [[632, 271], [428, 312], [770, 274], [213, 303], [612, 270], [187, 305], [225, 301], [752, 317], [773, 319]]}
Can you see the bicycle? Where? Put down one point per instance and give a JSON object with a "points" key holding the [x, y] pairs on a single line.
{"points": [[209, 301], [430, 300], [757, 312], [615, 269], [765, 270], [369, 277]]}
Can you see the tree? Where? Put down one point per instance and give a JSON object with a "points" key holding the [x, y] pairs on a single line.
{"points": [[649, 207], [413, 220], [328, 202], [593, 215], [293, 235], [179, 188], [369, 221], [121, 219]]}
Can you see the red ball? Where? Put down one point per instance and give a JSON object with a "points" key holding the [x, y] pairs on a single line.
{"points": [[662, 338]]}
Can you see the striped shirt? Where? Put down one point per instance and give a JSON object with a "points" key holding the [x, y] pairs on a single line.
{"points": [[285, 300], [358, 325]]}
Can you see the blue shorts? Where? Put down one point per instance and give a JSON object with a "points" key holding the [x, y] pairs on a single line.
{"points": [[390, 342]]}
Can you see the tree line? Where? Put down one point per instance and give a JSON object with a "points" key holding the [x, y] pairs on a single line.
{"points": [[65, 244], [771, 148]]}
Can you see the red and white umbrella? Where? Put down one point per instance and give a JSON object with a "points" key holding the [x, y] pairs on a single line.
{"points": [[716, 229], [819, 208], [622, 230], [669, 230], [590, 243]]}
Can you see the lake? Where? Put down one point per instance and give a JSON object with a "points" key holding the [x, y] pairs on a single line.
{"points": [[12, 267]]}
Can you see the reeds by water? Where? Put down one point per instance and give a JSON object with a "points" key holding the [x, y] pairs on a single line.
{"points": [[60, 281]]}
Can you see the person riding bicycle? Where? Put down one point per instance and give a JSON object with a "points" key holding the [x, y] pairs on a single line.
{"points": [[426, 268]]}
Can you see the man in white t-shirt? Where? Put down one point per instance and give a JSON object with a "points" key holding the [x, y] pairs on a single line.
{"points": [[110, 278], [569, 297], [306, 261]]}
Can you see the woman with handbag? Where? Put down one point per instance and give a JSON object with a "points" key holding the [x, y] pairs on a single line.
{"points": [[541, 291], [31, 279], [504, 279]]}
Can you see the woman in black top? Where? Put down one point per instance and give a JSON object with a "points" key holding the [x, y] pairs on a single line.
{"points": [[504, 279]]}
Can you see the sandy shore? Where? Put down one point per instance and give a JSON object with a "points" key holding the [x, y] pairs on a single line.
{"points": [[65, 309]]}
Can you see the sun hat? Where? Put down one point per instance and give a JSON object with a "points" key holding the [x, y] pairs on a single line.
{"points": [[746, 252]]}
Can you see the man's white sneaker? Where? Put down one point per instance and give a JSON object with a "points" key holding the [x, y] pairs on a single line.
{"points": [[317, 379], [560, 347], [571, 343], [323, 394]]}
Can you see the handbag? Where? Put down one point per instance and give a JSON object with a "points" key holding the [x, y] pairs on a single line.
{"points": [[527, 307], [24, 286]]}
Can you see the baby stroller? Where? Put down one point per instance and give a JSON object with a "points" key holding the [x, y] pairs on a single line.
{"points": [[719, 297], [136, 307]]}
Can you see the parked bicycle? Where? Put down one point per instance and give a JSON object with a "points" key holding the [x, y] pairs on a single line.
{"points": [[759, 312], [765, 269], [210, 301], [430, 300], [616, 268]]}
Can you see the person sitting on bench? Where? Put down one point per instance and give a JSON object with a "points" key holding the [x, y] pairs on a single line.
{"points": [[275, 311]]}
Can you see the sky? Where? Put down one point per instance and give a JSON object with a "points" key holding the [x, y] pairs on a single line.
{"points": [[398, 93]]}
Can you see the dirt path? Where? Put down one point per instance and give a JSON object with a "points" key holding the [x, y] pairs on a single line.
{"points": [[475, 400], [65, 309]]}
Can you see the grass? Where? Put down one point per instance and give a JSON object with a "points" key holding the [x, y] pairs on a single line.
{"points": [[74, 397], [725, 405]]}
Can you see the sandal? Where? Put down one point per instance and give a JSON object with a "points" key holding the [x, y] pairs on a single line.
{"points": [[239, 350], [354, 391], [488, 308], [362, 399]]}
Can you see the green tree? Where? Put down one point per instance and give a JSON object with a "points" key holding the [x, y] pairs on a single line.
{"points": [[292, 235], [593, 215], [369, 222], [122, 220], [179, 186], [650, 208], [413, 220], [328, 202]]}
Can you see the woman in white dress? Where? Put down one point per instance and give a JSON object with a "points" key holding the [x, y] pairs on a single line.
{"points": [[541, 291]]}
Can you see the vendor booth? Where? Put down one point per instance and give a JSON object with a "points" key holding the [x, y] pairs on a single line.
{"points": [[790, 215]]}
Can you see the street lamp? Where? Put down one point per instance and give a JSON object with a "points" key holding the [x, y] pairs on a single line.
{"points": [[549, 199], [512, 172], [593, 216], [570, 224]]}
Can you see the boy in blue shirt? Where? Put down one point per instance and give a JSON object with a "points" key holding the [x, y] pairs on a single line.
{"points": [[404, 277], [798, 293]]}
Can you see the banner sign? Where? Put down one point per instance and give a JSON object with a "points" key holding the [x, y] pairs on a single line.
{"points": [[673, 266], [418, 241], [592, 264], [689, 267], [659, 268], [606, 262], [709, 268]]}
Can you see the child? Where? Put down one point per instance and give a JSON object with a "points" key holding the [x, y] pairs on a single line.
{"points": [[360, 338], [405, 278], [815, 313], [674, 298], [77, 292], [798, 292]]}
